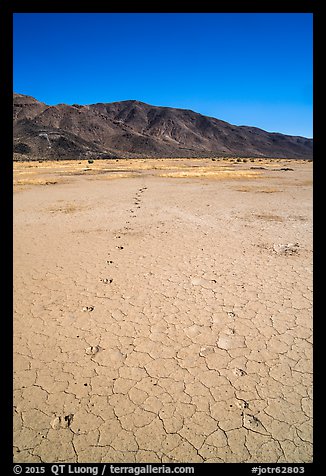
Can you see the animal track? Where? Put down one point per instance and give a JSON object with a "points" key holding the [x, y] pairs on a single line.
{"points": [[181, 362], [286, 249], [92, 350], [62, 421], [240, 372], [88, 308]]}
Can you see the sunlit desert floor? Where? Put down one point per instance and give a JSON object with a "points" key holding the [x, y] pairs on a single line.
{"points": [[163, 311]]}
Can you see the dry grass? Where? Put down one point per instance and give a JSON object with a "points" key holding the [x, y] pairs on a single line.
{"points": [[27, 173], [34, 181], [269, 217], [68, 207], [51, 172], [257, 189], [209, 174], [115, 175], [306, 183]]}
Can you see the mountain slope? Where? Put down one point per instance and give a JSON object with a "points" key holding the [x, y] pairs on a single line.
{"points": [[135, 129]]}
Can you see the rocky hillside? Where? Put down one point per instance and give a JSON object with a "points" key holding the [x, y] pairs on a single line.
{"points": [[135, 129]]}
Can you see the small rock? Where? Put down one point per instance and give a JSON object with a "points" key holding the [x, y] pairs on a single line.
{"points": [[231, 314]]}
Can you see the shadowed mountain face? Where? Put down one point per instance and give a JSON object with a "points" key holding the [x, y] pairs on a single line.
{"points": [[135, 129]]}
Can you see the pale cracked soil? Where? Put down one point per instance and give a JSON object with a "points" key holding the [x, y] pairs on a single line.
{"points": [[161, 319]]}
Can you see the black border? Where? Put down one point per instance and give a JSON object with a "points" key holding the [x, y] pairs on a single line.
{"points": [[7, 9], [221, 6]]}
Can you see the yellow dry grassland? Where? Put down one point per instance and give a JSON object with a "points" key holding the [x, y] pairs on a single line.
{"points": [[51, 172], [211, 173]]}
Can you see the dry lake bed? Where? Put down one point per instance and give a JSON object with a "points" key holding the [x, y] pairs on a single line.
{"points": [[163, 311]]}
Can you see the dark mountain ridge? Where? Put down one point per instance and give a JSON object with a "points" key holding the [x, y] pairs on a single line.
{"points": [[135, 129]]}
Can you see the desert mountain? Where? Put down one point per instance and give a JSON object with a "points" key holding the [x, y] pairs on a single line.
{"points": [[135, 129]]}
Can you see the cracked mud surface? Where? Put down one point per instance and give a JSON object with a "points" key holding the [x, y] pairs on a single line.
{"points": [[164, 319]]}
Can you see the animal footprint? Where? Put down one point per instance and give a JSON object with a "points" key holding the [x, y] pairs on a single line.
{"points": [[252, 423], [88, 308], [62, 422], [240, 372], [287, 249], [206, 351], [92, 350]]}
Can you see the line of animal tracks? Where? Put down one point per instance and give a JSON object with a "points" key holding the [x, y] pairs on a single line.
{"points": [[163, 320]]}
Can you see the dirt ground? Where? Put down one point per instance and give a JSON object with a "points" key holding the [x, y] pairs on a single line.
{"points": [[163, 311]]}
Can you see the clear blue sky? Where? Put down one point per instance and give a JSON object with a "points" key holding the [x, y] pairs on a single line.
{"points": [[247, 69]]}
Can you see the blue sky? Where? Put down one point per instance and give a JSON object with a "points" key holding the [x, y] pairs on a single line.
{"points": [[246, 69]]}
